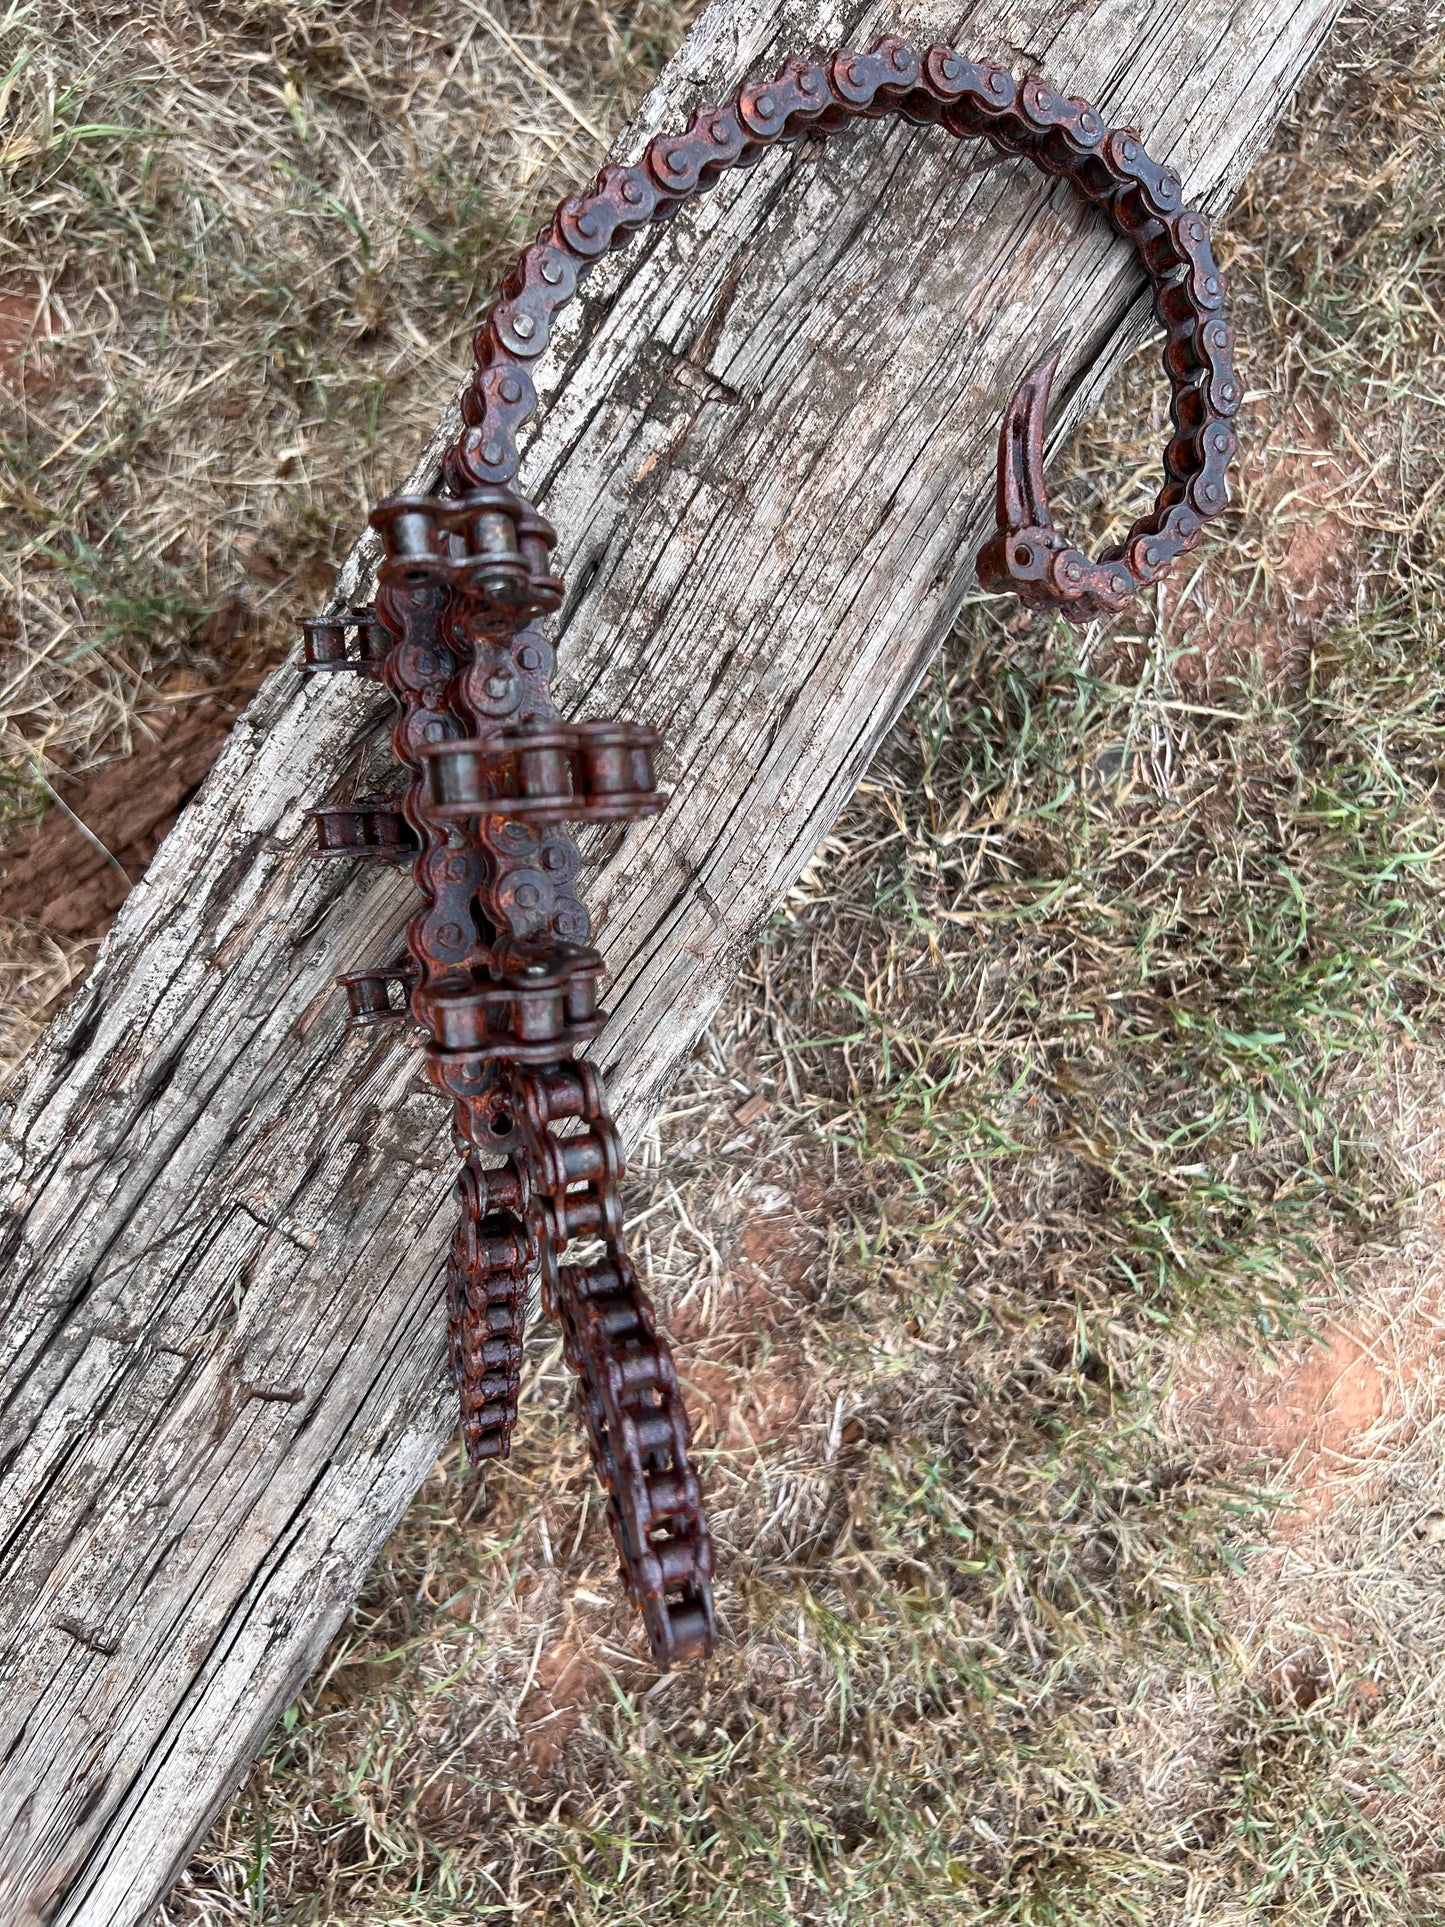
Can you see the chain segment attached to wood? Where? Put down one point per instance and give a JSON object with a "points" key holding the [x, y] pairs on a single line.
{"points": [[498, 969]]}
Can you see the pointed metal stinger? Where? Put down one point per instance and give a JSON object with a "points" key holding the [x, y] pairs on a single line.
{"points": [[1023, 501]]}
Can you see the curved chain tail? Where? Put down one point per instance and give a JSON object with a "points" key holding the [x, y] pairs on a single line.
{"points": [[1028, 119]]}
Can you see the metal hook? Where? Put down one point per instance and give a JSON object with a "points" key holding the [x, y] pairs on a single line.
{"points": [[1026, 555], [1023, 501]]}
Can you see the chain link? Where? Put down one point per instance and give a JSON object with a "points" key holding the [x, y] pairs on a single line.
{"points": [[499, 972]]}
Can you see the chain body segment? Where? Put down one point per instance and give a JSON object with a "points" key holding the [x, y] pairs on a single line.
{"points": [[500, 976], [499, 972]]}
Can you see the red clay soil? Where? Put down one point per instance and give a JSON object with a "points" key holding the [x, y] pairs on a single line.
{"points": [[1320, 1412], [70, 883], [53, 874], [22, 328], [566, 1686]]}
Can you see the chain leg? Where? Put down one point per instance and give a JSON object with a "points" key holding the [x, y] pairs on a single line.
{"points": [[637, 1428], [488, 1269], [627, 1383]]}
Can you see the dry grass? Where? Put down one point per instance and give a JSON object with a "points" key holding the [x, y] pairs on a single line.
{"points": [[1062, 1580]]}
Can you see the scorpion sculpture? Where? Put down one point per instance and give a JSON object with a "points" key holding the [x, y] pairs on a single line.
{"points": [[498, 970]]}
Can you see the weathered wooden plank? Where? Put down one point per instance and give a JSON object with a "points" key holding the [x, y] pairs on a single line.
{"points": [[768, 438]]}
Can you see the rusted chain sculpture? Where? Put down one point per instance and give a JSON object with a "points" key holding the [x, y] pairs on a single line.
{"points": [[498, 970]]}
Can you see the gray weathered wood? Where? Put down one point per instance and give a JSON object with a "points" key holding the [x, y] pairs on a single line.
{"points": [[769, 439]]}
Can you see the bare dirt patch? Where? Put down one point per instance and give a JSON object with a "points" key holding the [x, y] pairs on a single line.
{"points": [[69, 873], [1313, 1418], [747, 1373], [568, 1682], [1309, 509], [23, 317], [1311, 495]]}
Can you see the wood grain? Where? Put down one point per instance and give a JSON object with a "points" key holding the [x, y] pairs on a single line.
{"points": [[768, 437]]}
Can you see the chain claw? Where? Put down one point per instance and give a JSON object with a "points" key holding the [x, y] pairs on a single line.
{"points": [[1026, 553], [369, 994], [352, 643], [373, 828]]}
